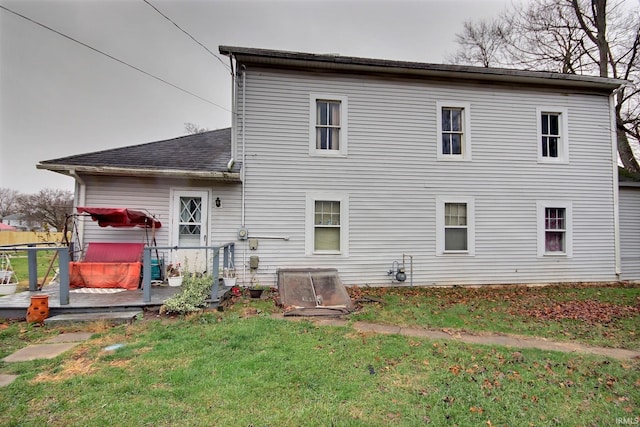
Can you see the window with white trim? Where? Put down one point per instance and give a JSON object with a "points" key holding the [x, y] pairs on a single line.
{"points": [[455, 227], [327, 224], [554, 228], [190, 220], [453, 131], [455, 233], [328, 125], [553, 145]]}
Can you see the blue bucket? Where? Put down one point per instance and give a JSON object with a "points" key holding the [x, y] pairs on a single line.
{"points": [[155, 270]]}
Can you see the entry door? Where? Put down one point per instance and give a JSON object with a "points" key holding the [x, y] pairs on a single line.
{"points": [[190, 227]]}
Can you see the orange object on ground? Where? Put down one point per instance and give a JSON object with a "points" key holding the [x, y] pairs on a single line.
{"points": [[38, 309], [108, 265]]}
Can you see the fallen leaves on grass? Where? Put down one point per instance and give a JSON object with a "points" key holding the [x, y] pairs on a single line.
{"points": [[554, 303], [586, 311]]}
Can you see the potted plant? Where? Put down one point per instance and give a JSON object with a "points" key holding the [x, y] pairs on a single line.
{"points": [[256, 289], [229, 277], [174, 274]]}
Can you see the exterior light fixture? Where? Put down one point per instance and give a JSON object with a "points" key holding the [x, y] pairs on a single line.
{"points": [[217, 202]]}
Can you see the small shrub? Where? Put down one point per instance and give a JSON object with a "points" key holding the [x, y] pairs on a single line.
{"points": [[191, 298]]}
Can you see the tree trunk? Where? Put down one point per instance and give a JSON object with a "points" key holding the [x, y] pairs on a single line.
{"points": [[600, 10], [629, 161]]}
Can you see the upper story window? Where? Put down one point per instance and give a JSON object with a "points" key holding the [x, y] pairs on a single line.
{"points": [[453, 131], [552, 135], [328, 125]]}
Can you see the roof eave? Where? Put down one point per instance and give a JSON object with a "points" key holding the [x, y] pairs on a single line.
{"points": [[276, 58], [141, 172]]}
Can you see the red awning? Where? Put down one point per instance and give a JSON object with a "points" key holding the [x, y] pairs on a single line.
{"points": [[6, 227], [121, 217]]}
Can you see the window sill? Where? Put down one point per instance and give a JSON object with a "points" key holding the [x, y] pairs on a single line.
{"points": [[555, 254], [452, 158], [543, 161], [319, 153]]}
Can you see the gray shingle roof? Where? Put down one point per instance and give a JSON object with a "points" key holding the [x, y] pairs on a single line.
{"points": [[206, 152]]}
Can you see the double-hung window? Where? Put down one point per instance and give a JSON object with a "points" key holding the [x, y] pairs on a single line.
{"points": [[326, 233], [553, 144], [455, 227], [455, 233], [327, 224], [453, 131], [328, 125], [554, 228]]}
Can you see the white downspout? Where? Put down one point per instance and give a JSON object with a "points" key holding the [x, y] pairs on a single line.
{"points": [[616, 198], [80, 198], [244, 152], [234, 113], [242, 173]]}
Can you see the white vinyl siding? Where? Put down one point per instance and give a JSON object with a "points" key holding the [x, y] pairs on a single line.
{"points": [[393, 176], [630, 232], [453, 120], [553, 134], [328, 125], [154, 196]]}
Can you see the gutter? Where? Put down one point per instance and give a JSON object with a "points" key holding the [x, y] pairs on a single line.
{"points": [[329, 62], [141, 172]]}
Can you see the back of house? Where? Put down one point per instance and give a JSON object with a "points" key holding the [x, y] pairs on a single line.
{"points": [[456, 175], [383, 170]]}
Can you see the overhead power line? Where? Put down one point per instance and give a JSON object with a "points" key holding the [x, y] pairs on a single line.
{"points": [[190, 36], [114, 58]]}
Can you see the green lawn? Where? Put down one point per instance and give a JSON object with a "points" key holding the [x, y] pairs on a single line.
{"points": [[20, 265], [241, 367], [604, 315]]}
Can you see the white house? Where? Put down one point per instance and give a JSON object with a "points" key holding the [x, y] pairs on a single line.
{"points": [[630, 229], [470, 175]]}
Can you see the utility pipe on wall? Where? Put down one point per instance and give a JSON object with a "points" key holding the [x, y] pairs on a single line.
{"points": [[244, 151], [616, 197], [81, 195], [243, 171]]}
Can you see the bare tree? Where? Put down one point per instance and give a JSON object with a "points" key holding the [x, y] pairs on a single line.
{"points": [[546, 36], [618, 48], [48, 206], [8, 201], [481, 43], [192, 129], [576, 37]]}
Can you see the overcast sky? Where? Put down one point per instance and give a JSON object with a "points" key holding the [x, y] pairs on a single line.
{"points": [[60, 98]]}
